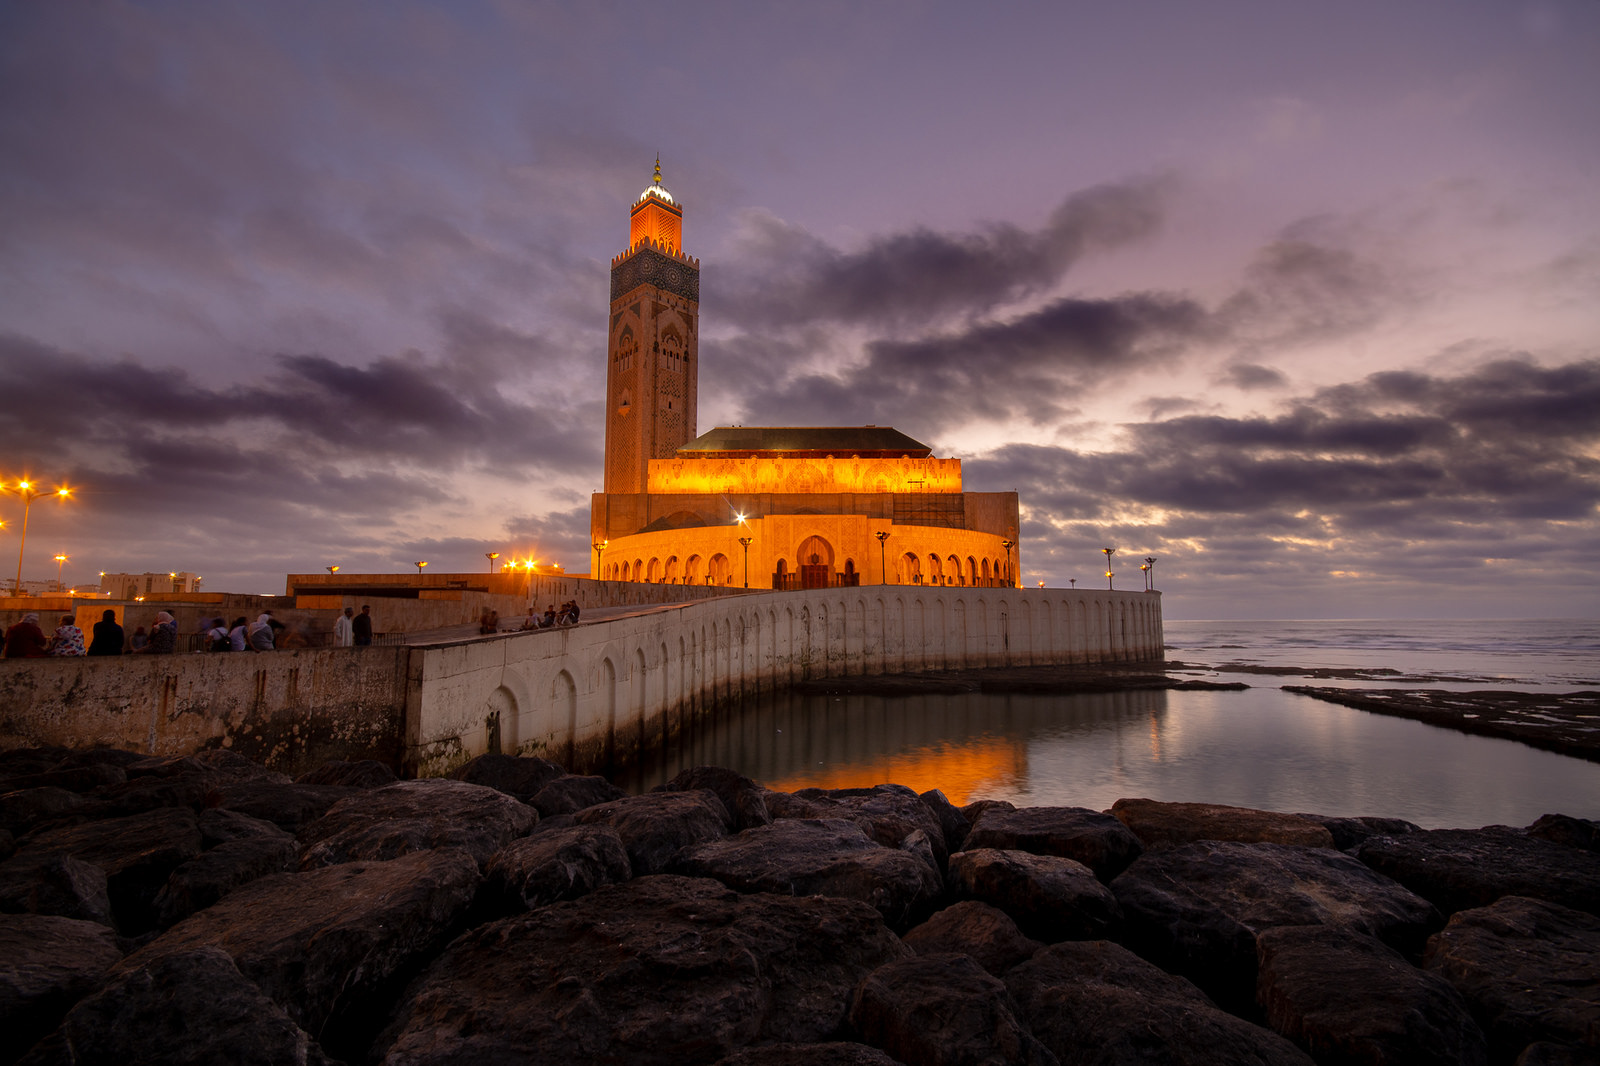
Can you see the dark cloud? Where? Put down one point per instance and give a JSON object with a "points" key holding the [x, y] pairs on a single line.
{"points": [[1251, 376]]}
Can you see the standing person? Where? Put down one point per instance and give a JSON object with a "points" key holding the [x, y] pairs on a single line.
{"points": [[25, 640], [68, 639], [163, 635], [361, 626], [260, 635], [344, 632], [107, 635], [238, 634]]}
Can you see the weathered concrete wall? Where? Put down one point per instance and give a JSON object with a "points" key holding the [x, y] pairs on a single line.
{"points": [[592, 696], [291, 710]]}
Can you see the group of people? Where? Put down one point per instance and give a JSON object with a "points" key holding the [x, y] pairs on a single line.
{"points": [[351, 630], [567, 616], [26, 640]]}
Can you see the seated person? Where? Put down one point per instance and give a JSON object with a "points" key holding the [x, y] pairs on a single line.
{"points": [[549, 616], [530, 622]]}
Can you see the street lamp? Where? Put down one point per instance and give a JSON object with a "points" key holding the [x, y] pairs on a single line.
{"points": [[1073, 582], [420, 564], [334, 569], [1150, 573], [61, 561], [747, 541], [1109, 552], [1007, 545], [599, 547], [883, 566], [29, 492], [491, 556], [1041, 584]]}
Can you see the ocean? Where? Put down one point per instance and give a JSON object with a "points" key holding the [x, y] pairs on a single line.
{"points": [[1262, 747]]}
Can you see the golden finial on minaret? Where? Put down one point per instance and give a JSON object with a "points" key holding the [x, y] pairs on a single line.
{"points": [[658, 169]]}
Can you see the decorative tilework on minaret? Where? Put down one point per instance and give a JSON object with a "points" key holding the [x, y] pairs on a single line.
{"points": [[653, 344]]}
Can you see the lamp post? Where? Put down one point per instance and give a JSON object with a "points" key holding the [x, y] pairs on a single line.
{"points": [[334, 569], [1144, 571], [1109, 552], [61, 561], [1150, 573], [491, 556], [599, 547], [1007, 545], [883, 566], [29, 492], [747, 541], [1073, 582], [420, 564]]}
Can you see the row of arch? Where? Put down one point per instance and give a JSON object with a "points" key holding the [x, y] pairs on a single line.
{"points": [[694, 570], [913, 569]]}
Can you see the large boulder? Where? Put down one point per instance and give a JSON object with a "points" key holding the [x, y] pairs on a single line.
{"points": [[1564, 829], [56, 884], [656, 826], [190, 1008], [46, 965], [1349, 832], [660, 970], [1095, 1003], [72, 779], [1097, 840], [332, 945], [951, 820], [285, 804], [363, 773], [1164, 825], [1530, 970], [886, 813], [1351, 1000], [943, 1010], [521, 776], [825, 857], [557, 864], [744, 800], [239, 850], [972, 928], [24, 809], [574, 792], [1050, 898], [1196, 909], [384, 823], [1455, 869]]}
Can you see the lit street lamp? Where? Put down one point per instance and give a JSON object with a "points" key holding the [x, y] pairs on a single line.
{"points": [[1109, 552], [1150, 573], [61, 561], [334, 569], [29, 492], [491, 556], [420, 564], [1007, 545], [747, 541], [1073, 582], [883, 567]]}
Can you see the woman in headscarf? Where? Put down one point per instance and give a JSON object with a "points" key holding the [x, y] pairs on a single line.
{"points": [[261, 633], [25, 640], [68, 639], [163, 635]]}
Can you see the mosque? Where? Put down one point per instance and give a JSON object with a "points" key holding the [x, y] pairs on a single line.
{"points": [[784, 507]]}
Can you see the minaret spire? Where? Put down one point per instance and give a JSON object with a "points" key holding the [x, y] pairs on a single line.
{"points": [[658, 169]]}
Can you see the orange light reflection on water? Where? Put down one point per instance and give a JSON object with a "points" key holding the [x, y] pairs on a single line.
{"points": [[976, 769]]}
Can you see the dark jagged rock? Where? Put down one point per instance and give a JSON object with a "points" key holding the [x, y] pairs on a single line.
{"points": [[1350, 1000], [1097, 840], [385, 823], [1545, 1053], [825, 857], [288, 806], [943, 1010], [1049, 897], [952, 822], [973, 928], [886, 813], [1349, 832], [101, 757], [56, 884], [574, 792], [331, 945], [1529, 969], [1456, 869], [1095, 1003], [23, 810], [221, 826], [73, 779], [192, 1008], [832, 1054], [1196, 909], [137, 852], [660, 970], [47, 964], [744, 799], [1564, 829], [655, 826], [241, 858], [363, 773], [521, 776], [1164, 825], [788, 805], [557, 865]]}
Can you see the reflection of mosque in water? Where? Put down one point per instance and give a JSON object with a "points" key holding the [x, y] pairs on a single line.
{"points": [[969, 744]]}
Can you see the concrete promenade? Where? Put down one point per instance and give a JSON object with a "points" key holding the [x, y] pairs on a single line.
{"points": [[589, 696]]}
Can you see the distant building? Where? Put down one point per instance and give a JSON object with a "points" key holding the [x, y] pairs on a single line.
{"points": [[768, 507], [147, 585]]}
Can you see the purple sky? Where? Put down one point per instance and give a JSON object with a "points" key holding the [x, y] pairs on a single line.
{"points": [[1302, 299]]}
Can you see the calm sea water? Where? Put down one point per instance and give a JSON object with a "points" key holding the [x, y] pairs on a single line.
{"points": [[1260, 748]]}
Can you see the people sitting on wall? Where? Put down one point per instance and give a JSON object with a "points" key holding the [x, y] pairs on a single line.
{"points": [[239, 634], [108, 636], [163, 638], [25, 640], [217, 638], [260, 635], [569, 613], [68, 639], [489, 621], [530, 622], [549, 616], [140, 639]]}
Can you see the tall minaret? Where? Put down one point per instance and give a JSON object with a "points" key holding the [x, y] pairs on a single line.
{"points": [[653, 345]]}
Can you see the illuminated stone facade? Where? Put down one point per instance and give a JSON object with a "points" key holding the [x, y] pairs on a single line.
{"points": [[767, 507]]}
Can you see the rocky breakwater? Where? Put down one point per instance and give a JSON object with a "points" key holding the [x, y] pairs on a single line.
{"points": [[202, 909]]}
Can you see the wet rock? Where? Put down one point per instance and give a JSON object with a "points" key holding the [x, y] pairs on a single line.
{"points": [[1049, 897], [975, 810], [952, 822], [1350, 1000], [101, 756], [1159, 824], [192, 1008], [943, 1010], [56, 884], [832, 1054], [220, 826], [1529, 969], [385, 823], [137, 853], [1563, 829], [1095, 1002], [661, 969], [521, 776], [653, 827], [332, 945], [1456, 869], [788, 805], [744, 799], [24, 809], [574, 792], [288, 806], [1196, 909], [556, 865], [47, 964], [1349, 832], [212, 874], [886, 813], [973, 928], [1097, 840], [363, 773], [823, 857]]}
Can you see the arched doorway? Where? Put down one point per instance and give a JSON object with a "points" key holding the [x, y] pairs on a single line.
{"points": [[816, 563]]}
